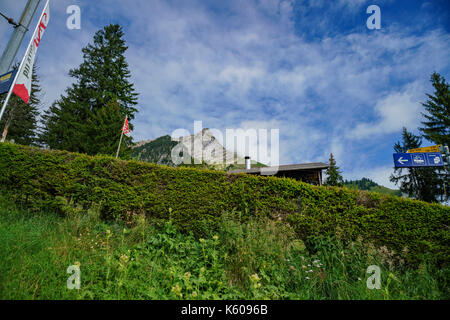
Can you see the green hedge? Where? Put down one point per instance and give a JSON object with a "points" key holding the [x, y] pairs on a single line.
{"points": [[195, 199]]}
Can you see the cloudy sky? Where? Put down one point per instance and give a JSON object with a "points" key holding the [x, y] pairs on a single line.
{"points": [[310, 68]]}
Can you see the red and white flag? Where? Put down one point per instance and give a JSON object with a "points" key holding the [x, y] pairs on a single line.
{"points": [[22, 86], [126, 128]]}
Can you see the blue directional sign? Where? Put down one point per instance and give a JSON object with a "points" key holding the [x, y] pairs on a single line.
{"points": [[418, 159], [402, 160], [434, 159], [409, 160], [6, 80]]}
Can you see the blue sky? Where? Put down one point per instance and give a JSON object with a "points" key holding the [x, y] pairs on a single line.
{"points": [[311, 69]]}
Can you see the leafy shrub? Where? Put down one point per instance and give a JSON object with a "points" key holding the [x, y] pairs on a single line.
{"points": [[194, 200], [257, 259]]}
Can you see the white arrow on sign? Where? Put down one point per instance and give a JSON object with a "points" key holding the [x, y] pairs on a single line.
{"points": [[401, 160]]}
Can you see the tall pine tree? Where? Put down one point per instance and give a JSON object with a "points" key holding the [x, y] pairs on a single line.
{"points": [[20, 121], [420, 183], [436, 127], [89, 117], [334, 177]]}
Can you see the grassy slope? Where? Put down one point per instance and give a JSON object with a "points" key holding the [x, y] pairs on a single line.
{"points": [[195, 200], [256, 260], [384, 190], [369, 185]]}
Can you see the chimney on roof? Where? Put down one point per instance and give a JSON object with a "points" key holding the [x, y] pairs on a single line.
{"points": [[248, 164]]}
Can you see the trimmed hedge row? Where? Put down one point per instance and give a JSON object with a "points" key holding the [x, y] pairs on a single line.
{"points": [[194, 199]]}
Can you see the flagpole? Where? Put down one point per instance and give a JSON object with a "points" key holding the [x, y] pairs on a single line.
{"points": [[120, 142], [20, 67]]}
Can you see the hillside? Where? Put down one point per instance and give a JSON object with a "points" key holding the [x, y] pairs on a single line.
{"points": [[212, 153], [155, 151], [369, 185]]}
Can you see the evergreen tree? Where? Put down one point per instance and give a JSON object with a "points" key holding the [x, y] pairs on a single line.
{"points": [[334, 177], [362, 184], [19, 122], [103, 121], [419, 183], [437, 125], [89, 117]]}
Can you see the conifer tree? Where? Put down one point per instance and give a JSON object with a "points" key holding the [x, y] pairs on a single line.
{"points": [[334, 177], [103, 121], [420, 183], [20, 120], [89, 117], [437, 119]]}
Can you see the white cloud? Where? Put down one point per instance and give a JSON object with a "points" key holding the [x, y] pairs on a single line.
{"points": [[248, 67], [396, 110]]}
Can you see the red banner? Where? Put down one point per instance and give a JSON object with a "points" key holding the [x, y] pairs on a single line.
{"points": [[126, 128]]}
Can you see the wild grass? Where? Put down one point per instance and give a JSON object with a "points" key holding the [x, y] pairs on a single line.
{"points": [[258, 259]]}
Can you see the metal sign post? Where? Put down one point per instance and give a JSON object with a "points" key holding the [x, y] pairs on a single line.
{"points": [[16, 39], [446, 154], [29, 56]]}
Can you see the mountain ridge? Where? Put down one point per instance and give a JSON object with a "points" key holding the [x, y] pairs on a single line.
{"points": [[210, 153]]}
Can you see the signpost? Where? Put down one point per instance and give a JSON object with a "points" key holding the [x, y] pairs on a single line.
{"points": [[425, 149], [446, 154], [21, 85], [411, 160], [6, 81], [434, 156], [18, 35]]}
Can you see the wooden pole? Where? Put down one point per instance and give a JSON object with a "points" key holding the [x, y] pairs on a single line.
{"points": [[5, 130]]}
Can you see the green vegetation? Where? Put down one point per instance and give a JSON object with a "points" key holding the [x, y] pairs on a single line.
{"points": [[20, 120], [142, 259], [419, 183], [157, 151], [427, 184], [160, 151], [89, 117], [369, 185], [436, 127], [195, 200], [333, 174]]}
